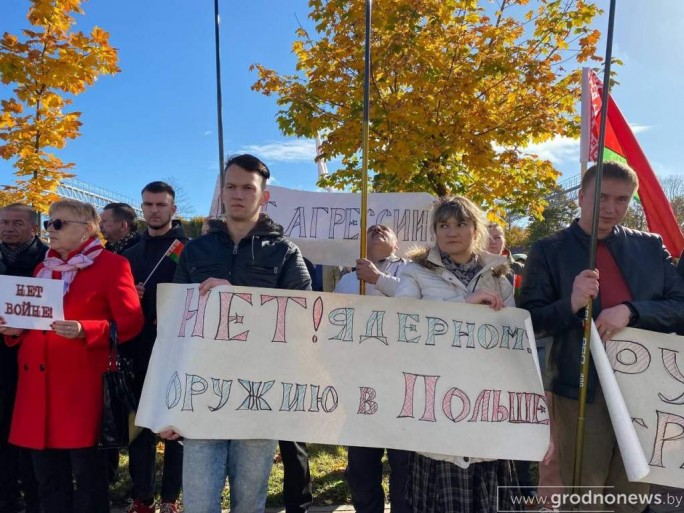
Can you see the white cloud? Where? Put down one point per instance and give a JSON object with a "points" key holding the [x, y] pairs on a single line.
{"points": [[291, 150], [208, 132], [557, 150], [637, 129], [561, 150]]}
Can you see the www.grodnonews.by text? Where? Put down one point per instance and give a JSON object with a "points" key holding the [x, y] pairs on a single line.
{"points": [[586, 499]]}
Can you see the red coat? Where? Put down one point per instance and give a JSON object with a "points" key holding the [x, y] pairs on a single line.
{"points": [[59, 395]]}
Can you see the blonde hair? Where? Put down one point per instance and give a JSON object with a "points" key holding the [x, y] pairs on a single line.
{"points": [[82, 211], [496, 226], [462, 209]]}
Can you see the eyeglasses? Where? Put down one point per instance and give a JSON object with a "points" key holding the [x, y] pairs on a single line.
{"points": [[58, 224]]}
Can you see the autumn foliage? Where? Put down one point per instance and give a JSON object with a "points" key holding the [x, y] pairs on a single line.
{"points": [[47, 65], [459, 88]]}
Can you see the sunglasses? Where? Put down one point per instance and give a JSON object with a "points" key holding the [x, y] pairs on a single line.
{"points": [[58, 224]]}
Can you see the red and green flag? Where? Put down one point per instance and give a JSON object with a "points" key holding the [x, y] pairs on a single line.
{"points": [[174, 253], [175, 250], [622, 145]]}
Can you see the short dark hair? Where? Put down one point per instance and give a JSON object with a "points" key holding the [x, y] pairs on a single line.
{"points": [[123, 212], [216, 225], [21, 207], [613, 170], [159, 186], [249, 163]]}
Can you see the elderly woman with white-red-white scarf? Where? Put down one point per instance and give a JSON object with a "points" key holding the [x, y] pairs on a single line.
{"points": [[59, 396]]}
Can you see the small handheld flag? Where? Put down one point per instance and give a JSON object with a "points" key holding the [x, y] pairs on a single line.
{"points": [[174, 253], [175, 250]]}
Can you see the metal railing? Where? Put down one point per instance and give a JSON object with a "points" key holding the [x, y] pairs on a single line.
{"points": [[96, 196]]}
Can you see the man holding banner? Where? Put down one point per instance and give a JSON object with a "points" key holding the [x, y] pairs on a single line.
{"points": [[635, 284], [152, 262], [253, 252], [381, 271]]}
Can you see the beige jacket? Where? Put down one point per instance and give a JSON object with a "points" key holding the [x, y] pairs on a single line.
{"points": [[427, 278]]}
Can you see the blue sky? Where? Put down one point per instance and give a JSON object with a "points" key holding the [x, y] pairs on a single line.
{"points": [[157, 118]]}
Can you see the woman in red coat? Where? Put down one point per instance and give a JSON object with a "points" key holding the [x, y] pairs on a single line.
{"points": [[59, 396]]}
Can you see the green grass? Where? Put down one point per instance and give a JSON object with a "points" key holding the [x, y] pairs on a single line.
{"points": [[327, 464]]}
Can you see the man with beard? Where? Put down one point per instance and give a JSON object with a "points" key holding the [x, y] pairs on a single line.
{"points": [[158, 206], [117, 224], [252, 252], [20, 252]]}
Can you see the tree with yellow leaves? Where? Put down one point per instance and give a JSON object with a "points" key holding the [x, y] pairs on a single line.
{"points": [[48, 64], [459, 88]]}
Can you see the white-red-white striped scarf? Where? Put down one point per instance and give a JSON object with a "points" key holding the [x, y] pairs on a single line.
{"points": [[56, 268]]}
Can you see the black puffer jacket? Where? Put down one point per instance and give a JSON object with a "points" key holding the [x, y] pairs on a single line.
{"points": [[264, 258], [143, 256], [552, 264]]}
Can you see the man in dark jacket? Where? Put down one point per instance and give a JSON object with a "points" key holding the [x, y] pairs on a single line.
{"points": [[151, 265], [251, 253], [20, 252], [635, 284], [117, 224]]}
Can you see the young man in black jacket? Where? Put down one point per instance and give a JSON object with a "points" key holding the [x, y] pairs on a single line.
{"points": [[162, 231], [20, 252], [634, 284], [254, 253]]}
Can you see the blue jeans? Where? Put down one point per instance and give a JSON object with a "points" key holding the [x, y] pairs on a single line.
{"points": [[207, 462]]}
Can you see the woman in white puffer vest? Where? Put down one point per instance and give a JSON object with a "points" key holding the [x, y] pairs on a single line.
{"points": [[457, 268]]}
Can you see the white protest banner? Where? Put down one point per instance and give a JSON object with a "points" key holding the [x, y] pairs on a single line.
{"points": [[649, 370], [244, 363], [630, 448], [31, 303], [325, 225]]}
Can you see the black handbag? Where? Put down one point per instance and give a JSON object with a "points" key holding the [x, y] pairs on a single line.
{"points": [[120, 404]]}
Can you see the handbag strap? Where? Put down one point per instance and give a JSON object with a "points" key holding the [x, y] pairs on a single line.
{"points": [[113, 343]]}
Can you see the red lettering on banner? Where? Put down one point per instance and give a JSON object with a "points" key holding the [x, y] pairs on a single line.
{"points": [[198, 313], [409, 386], [367, 405], [281, 316], [225, 318]]}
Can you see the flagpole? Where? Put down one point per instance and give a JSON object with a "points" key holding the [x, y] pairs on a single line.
{"points": [[219, 100], [170, 248], [364, 150], [586, 351]]}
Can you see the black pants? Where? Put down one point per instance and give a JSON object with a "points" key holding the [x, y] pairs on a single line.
{"points": [[10, 492], [364, 474], [297, 494], [527, 487], [112, 465], [16, 467], [55, 469], [141, 464]]}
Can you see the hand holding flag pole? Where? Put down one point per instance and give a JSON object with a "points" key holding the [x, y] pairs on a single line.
{"points": [[364, 150], [174, 251], [586, 352]]}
